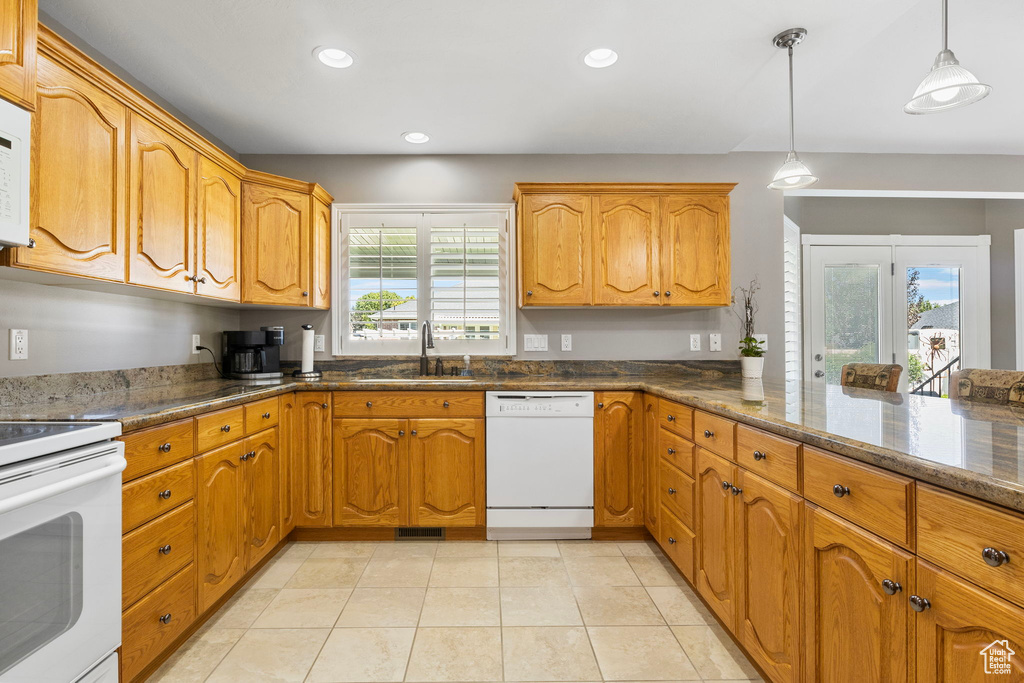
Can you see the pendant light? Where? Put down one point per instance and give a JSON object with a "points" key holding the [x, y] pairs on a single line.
{"points": [[793, 174], [948, 85]]}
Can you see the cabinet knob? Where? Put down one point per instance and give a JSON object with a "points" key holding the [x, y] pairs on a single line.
{"points": [[165, 549], [324, 406], [600, 405], [165, 448], [369, 404], [446, 404], [192, 278], [413, 432], [671, 540], [891, 587], [839, 490], [166, 619], [401, 432], [668, 293], [671, 491], [736, 491], [225, 428], [529, 292], [202, 280], [165, 494], [657, 293], [671, 451], [266, 416], [243, 457], [919, 604], [670, 418], [708, 434], [31, 243], [305, 294], [760, 455], [995, 558], [726, 485]]}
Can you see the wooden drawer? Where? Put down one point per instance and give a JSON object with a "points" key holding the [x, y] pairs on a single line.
{"points": [[877, 500], [770, 456], [261, 415], [145, 564], [676, 450], [219, 428], [677, 541], [676, 417], [717, 434], [409, 404], [147, 450], [144, 636], [953, 531], [151, 496], [676, 493]]}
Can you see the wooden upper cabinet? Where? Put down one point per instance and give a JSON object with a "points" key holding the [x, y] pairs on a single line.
{"points": [[18, 22], [218, 231], [695, 258], [263, 514], [161, 208], [618, 459], [446, 472], [626, 250], [716, 544], [321, 244], [311, 458], [220, 491], [78, 179], [275, 245], [555, 247], [370, 472]]}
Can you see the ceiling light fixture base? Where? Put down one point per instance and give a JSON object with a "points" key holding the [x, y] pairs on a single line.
{"points": [[789, 38]]}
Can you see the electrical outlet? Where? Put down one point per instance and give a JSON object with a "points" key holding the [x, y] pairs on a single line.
{"points": [[763, 338], [319, 342], [567, 342], [535, 342], [715, 341], [195, 344], [19, 345], [695, 342]]}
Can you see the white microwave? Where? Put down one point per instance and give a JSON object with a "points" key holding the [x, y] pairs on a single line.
{"points": [[15, 143]]}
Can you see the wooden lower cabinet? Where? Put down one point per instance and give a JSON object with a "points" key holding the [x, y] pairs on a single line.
{"points": [[370, 472], [446, 472], [261, 504], [651, 458], [220, 490], [854, 630], [287, 451], [618, 459], [716, 542], [311, 459], [153, 623]]}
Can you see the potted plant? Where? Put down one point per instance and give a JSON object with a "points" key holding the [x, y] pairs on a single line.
{"points": [[751, 350]]}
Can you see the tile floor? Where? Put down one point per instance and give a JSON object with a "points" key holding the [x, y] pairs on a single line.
{"points": [[462, 611]]}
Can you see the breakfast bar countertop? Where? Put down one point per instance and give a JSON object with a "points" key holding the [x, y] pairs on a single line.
{"points": [[978, 451]]}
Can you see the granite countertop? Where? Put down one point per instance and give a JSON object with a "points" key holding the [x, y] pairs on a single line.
{"points": [[979, 452]]}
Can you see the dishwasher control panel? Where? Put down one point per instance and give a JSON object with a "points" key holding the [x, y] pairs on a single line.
{"points": [[547, 404]]}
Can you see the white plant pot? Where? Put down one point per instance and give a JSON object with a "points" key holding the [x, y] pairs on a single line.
{"points": [[751, 368]]}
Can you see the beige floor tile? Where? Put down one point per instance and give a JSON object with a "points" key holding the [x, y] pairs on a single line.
{"points": [[241, 610], [656, 571], [276, 573], [271, 655], [297, 551], [589, 549], [539, 606], [639, 548], [679, 605], [467, 572], [383, 607], [461, 607], [407, 572], [633, 653], [532, 571], [342, 572], [548, 654], [331, 550], [617, 606], [363, 654], [713, 653], [600, 571], [304, 608], [456, 654], [528, 549], [467, 549], [198, 657], [404, 549]]}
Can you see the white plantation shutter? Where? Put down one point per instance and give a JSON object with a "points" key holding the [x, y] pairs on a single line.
{"points": [[465, 276], [792, 292]]}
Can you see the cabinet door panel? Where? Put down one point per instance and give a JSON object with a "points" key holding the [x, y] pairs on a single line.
{"points": [[626, 250], [555, 254], [618, 453], [263, 516], [288, 450], [218, 231], [695, 246], [275, 246], [716, 547], [312, 459], [220, 491], [446, 472], [854, 630], [161, 223], [18, 22], [370, 472], [78, 209], [321, 255]]}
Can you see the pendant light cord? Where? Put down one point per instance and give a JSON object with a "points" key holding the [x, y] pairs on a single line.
{"points": [[945, 25], [792, 142]]}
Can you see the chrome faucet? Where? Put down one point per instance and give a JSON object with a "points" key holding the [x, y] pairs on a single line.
{"points": [[426, 342]]}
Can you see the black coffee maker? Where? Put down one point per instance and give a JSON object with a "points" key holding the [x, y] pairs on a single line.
{"points": [[253, 355]]}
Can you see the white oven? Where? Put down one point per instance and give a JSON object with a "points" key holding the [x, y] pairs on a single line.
{"points": [[15, 143], [60, 558]]}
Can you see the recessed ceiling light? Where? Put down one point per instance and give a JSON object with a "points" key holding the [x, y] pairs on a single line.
{"points": [[334, 57], [601, 57], [415, 138]]}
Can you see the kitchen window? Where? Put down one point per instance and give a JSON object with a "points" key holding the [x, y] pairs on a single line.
{"points": [[397, 266]]}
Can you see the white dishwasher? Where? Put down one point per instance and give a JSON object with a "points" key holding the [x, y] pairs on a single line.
{"points": [[540, 464]]}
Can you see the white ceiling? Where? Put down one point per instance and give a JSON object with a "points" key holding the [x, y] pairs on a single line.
{"points": [[506, 76]]}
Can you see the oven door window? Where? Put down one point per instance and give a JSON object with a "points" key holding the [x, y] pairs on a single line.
{"points": [[40, 586]]}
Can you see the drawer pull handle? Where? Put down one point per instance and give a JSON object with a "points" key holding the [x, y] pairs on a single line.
{"points": [[839, 490], [736, 491], [165, 494], [726, 485], [165, 549], [369, 404], [671, 451], [995, 558], [226, 428], [166, 619], [266, 416], [708, 434], [165, 448], [324, 406], [670, 418], [671, 540], [891, 587], [671, 491], [446, 404], [919, 604], [760, 455]]}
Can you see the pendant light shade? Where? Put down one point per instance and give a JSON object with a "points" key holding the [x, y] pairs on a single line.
{"points": [[948, 85], [793, 174]]}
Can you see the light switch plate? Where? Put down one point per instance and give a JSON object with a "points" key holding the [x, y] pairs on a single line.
{"points": [[715, 342], [319, 343], [18, 345], [695, 342], [567, 342], [763, 338], [535, 342]]}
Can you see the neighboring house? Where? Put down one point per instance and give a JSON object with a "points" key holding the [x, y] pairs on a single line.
{"points": [[399, 322], [935, 339]]}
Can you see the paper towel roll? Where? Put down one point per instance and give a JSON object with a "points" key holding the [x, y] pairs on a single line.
{"points": [[307, 348]]}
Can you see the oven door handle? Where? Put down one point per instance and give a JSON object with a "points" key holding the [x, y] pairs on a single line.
{"points": [[61, 487]]}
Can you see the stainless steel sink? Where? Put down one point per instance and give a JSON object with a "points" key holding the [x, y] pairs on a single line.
{"points": [[412, 380]]}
